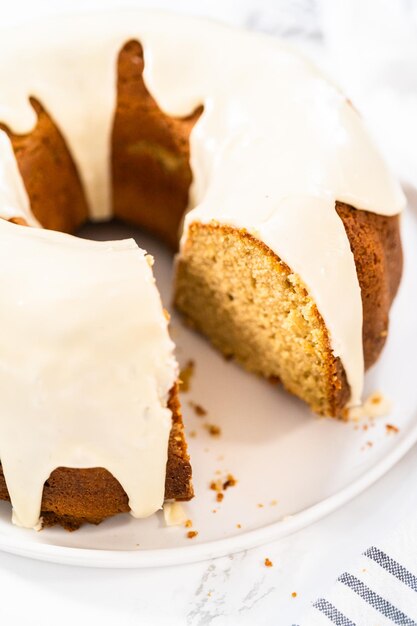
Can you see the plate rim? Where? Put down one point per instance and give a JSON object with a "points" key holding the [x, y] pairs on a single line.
{"points": [[168, 557]]}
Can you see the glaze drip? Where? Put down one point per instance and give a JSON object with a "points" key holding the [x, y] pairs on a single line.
{"points": [[84, 379]]}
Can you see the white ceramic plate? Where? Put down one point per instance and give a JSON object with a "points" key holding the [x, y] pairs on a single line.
{"points": [[292, 468]]}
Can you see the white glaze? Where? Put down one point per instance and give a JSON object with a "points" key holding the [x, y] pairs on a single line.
{"points": [[174, 513], [14, 201], [277, 144]]}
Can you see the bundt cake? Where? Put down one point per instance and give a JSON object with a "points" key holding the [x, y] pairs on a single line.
{"points": [[289, 259]]}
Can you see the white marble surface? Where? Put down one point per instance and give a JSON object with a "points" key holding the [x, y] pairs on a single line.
{"points": [[233, 590]]}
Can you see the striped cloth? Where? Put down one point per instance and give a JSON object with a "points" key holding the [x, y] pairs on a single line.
{"points": [[379, 590]]}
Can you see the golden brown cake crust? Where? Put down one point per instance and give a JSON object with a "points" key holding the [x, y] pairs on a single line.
{"points": [[150, 154], [375, 242], [50, 176], [72, 497], [376, 245]]}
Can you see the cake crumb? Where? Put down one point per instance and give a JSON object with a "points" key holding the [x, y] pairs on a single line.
{"points": [[186, 374], [390, 428], [192, 434], [213, 430], [188, 523], [216, 485], [260, 505], [273, 503], [294, 594], [268, 563], [238, 525], [220, 485], [214, 511], [198, 409], [229, 482], [191, 534]]}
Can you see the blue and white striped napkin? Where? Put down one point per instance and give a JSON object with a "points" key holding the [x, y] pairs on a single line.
{"points": [[379, 590]]}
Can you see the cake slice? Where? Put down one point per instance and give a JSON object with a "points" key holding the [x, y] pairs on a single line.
{"points": [[235, 290], [88, 382]]}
